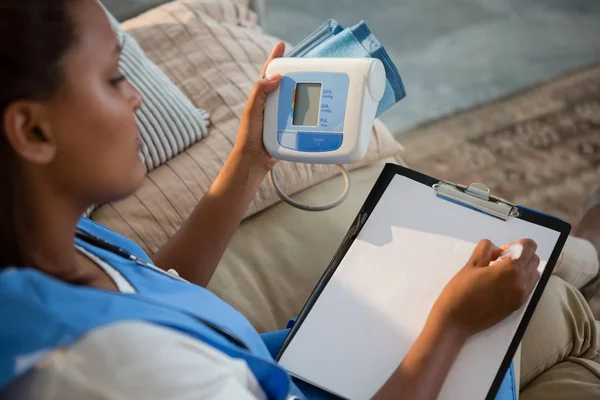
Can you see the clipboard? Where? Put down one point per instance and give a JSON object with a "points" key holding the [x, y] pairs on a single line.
{"points": [[454, 203]]}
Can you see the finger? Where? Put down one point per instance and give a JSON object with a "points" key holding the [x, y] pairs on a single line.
{"points": [[256, 102], [529, 249], [533, 277], [277, 52], [503, 263], [529, 269], [528, 275], [497, 251], [532, 272], [509, 245], [483, 253], [506, 246], [517, 265], [533, 263]]}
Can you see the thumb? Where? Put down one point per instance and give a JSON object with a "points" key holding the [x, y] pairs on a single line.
{"points": [[270, 84], [258, 97]]}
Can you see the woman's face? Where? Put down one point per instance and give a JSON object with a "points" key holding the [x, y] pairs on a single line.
{"points": [[91, 118]]}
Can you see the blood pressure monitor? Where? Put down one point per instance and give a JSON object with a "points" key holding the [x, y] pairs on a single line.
{"points": [[324, 108]]}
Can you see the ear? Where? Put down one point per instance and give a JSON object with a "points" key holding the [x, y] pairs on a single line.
{"points": [[28, 132]]}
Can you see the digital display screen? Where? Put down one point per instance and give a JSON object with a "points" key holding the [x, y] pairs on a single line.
{"points": [[306, 104]]}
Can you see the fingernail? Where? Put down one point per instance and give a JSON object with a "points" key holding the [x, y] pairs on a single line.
{"points": [[274, 77]]}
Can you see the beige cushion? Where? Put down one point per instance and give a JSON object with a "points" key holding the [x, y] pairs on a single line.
{"points": [[277, 256], [214, 51]]}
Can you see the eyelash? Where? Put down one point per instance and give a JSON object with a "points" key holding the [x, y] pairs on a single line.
{"points": [[117, 80]]}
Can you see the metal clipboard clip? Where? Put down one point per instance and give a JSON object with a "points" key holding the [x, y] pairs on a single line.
{"points": [[478, 197]]}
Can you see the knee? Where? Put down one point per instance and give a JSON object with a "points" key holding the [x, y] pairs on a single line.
{"points": [[557, 304], [562, 301], [557, 292], [578, 262]]}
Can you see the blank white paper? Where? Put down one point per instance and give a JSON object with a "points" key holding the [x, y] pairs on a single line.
{"points": [[376, 304]]}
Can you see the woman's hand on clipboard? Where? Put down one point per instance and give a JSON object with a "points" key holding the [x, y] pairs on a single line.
{"points": [[493, 284]]}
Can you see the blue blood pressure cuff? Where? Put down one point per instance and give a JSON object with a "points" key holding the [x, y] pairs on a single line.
{"points": [[332, 40]]}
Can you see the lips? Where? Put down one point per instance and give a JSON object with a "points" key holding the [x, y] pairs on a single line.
{"points": [[139, 142]]}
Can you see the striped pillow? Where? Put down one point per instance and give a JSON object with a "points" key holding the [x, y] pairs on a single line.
{"points": [[169, 123]]}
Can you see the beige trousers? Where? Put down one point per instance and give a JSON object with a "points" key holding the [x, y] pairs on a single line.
{"points": [[560, 352]]}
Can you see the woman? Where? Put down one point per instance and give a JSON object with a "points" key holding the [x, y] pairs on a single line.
{"points": [[68, 140]]}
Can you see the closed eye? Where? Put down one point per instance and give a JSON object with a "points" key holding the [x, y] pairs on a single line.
{"points": [[116, 80]]}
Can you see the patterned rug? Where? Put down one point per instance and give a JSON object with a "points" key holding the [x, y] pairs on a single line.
{"points": [[539, 148]]}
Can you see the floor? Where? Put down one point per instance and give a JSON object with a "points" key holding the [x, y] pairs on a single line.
{"points": [[456, 54]]}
